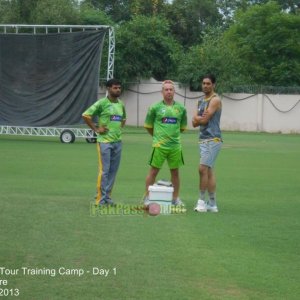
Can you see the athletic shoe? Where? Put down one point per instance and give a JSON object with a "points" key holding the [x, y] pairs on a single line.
{"points": [[108, 201], [177, 202], [164, 182], [146, 201], [211, 208], [201, 206]]}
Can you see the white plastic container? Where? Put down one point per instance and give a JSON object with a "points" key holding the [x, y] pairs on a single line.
{"points": [[161, 193]]}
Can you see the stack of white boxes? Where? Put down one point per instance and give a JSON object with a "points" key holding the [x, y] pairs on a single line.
{"points": [[161, 195]]}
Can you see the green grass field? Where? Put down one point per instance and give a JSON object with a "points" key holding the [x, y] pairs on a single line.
{"points": [[249, 250]]}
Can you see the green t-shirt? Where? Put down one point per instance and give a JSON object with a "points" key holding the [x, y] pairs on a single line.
{"points": [[110, 114], [167, 121]]}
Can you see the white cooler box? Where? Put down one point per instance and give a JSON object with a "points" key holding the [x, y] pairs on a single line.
{"points": [[161, 195], [159, 192]]}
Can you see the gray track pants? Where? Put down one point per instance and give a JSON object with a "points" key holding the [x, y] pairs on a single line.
{"points": [[109, 157]]}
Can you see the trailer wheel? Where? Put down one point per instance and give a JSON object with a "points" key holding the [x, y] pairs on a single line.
{"points": [[91, 140], [67, 136]]}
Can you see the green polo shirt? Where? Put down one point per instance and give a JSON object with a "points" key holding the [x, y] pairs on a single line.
{"points": [[110, 114], [167, 122]]}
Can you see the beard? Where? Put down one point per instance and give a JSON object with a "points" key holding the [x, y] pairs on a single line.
{"points": [[115, 94]]}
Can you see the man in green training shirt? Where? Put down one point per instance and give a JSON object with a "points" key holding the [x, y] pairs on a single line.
{"points": [[111, 116], [164, 122]]}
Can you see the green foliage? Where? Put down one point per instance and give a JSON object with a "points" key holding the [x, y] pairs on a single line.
{"points": [[147, 7], [9, 12], [55, 12], [116, 10], [267, 41], [212, 56], [93, 16], [144, 49], [121, 11], [292, 6], [188, 19], [229, 7], [183, 39], [39, 12]]}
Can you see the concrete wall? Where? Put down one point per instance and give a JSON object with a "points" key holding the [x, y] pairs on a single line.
{"points": [[241, 112]]}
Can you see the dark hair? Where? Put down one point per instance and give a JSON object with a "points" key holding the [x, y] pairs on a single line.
{"points": [[113, 81], [211, 77]]}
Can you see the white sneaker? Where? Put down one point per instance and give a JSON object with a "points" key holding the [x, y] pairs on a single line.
{"points": [[177, 202], [146, 201], [201, 206], [211, 208]]}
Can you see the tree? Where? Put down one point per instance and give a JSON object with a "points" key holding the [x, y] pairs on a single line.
{"points": [[147, 7], [292, 6], [189, 18], [9, 12], [228, 8], [117, 10], [39, 11], [121, 11], [55, 12], [267, 41], [212, 56], [144, 49], [93, 16]]}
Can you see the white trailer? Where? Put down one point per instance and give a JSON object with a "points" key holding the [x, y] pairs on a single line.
{"points": [[66, 135]]}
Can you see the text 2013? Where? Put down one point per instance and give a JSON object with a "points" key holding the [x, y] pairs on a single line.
{"points": [[9, 292]]}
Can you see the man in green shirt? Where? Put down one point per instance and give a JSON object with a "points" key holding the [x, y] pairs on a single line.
{"points": [[111, 117], [164, 122]]}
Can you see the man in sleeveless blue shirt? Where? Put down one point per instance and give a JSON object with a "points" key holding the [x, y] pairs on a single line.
{"points": [[208, 117]]}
